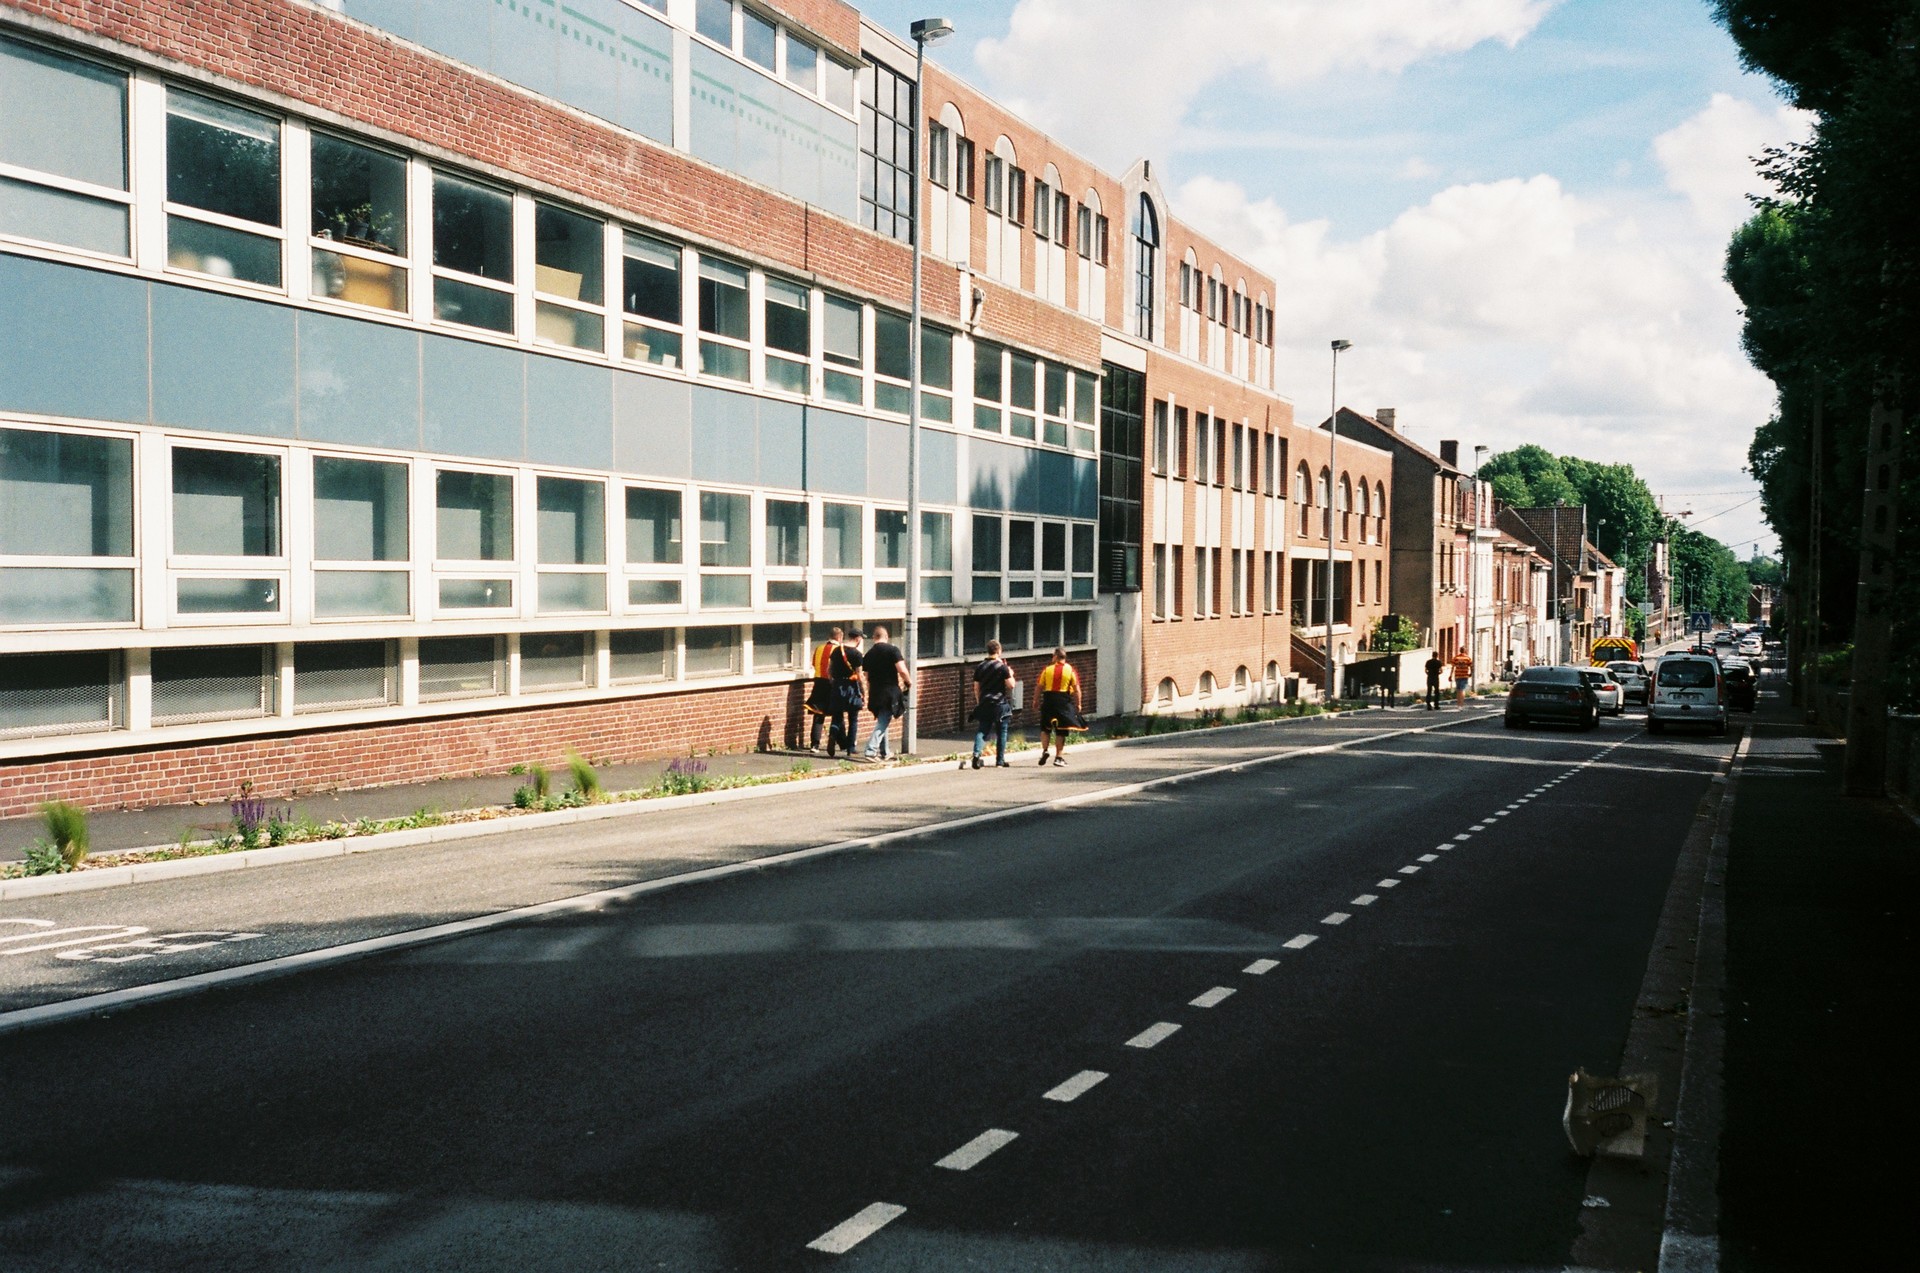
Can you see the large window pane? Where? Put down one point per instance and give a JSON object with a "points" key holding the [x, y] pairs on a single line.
{"points": [[712, 651], [555, 661], [652, 279], [646, 655], [653, 527], [222, 252], [840, 537], [1020, 545], [842, 334], [789, 328], [455, 301], [359, 195], [37, 595], [786, 533], [461, 667], [757, 38], [222, 159], [803, 63], [988, 383], [472, 228], [65, 693], [1082, 549], [65, 495], [892, 345], [572, 521], [1053, 546], [724, 535], [714, 19], [936, 358], [359, 510], [474, 518], [986, 544], [225, 503], [85, 138], [890, 539], [776, 646], [58, 216], [211, 683], [723, 300], [567, 253], [936, 541]]}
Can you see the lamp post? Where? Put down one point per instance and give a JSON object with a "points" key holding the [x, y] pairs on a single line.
{"points": [[1473, 562], [1333, 476], [925, 31]]}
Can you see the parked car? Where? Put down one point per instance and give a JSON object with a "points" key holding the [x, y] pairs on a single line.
{"points": [[1607, 692], [1687, 690], [1633, 680], [1552, 694], [1742, 686]]}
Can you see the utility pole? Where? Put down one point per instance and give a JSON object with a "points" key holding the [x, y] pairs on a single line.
{"points": [[1866, 759]]}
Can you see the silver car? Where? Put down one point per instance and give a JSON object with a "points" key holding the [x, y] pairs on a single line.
{"points": [[1687, 690], [1634, 682]]}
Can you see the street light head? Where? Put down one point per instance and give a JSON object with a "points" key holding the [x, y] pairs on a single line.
{"points": [[931, 30], [1341, 346]]}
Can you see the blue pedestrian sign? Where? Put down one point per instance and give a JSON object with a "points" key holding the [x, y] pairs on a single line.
{"points": [[1702, 621]]}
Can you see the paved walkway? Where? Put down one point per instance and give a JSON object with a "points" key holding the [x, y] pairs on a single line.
{"points": [[1822, 916]]}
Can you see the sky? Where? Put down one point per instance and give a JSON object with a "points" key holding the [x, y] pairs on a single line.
{"points": [[1516, 210]]}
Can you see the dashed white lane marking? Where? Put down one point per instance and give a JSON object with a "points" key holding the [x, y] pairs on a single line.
{"points": [[1409, 870], [1213, 998], [857, 1228], [1513, 806], [1478, 826], [1261, 967], [1365, 899], [1464, 836], [1498, 813], [1386, 884], [1076, 1087], [976, 1151], [1429, 857], [1337, 918], [1301, 942], [1443, 848], [1157, 1033]]}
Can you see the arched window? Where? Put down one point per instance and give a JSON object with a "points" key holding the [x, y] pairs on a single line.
{"points": [[1346, 494], [1273, 671], [1302, 479], [1207, 685], [1366, 501], [1146, 233], [1321, 488], [1168, 690], [1241, 678], [1379, 508]]}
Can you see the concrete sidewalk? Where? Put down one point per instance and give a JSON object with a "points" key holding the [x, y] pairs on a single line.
{"points": [[1821, 922]]}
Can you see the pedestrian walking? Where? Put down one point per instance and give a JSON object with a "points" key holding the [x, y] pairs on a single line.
{"points": [[1059, 687], [819, 702], [889, 681], [1434, 668], [1462, 677], [843, 666], [993, 683]]}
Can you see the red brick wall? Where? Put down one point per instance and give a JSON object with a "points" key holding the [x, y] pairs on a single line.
{"points": [[732, 719]]}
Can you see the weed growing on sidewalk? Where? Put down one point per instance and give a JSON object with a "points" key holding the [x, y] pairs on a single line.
{"points": [[683, 778], [585, 781], [66, 842]]}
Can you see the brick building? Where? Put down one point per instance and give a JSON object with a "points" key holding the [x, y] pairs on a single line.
{"points": [[395, 389]]}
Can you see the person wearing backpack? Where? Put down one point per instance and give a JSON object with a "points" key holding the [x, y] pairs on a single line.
{"points": [[993, 683], [843, 666]]}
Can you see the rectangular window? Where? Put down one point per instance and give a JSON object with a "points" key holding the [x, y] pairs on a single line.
{"points": [[889, 539], [1056, 405], [713, 651], [571, 525], [653, 527], [333, 676], [989, 386], [1161, 448], [552, 661], [776, 647], [1022, 390], [1160, 590], [714, 20], [936, 374], [650, 287], [886, 116], [1083, 232], [472, 254], [462, 667], [757, 39], [986, 558], [1179, 581], [1017, 195], [643, 655], [473, 516], [892, 360], [1042, 210], [723, 530], [724, 320], [939, 154], [228, 682], [359, 510], [789, 330], [995, 181], [223, 190], [1053, 547], [1100, 239], [225, 503], [936, 558], [568, 251], [359, 223], [786, 534], [70, 496], [79, 692], [72, 189], [803, 64], [843, 347], [963, 167]]}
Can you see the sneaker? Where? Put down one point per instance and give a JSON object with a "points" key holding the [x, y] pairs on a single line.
{"points": [[1001, 764], [1043, 757], [1059, 760], [976, 762]]}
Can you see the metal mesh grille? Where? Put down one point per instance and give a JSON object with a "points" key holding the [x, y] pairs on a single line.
{"points": [[555, 661], [645, 655], [212, 683], [76, 693], [461, 667], [336, 675]]}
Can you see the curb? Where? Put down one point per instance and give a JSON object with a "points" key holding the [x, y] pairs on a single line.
{"points": [[152, 992], [243, 859]]}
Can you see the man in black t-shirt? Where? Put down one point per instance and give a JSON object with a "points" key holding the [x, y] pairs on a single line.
{"points": [[993, 705], [843, 666], [888, 681]]}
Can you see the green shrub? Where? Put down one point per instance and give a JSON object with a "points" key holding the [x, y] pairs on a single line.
{"points": [[585, 780], [67, 831], [542, 780]]}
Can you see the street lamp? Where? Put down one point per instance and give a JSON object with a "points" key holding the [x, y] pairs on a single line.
{"points": [[1333, 476], [925, 31]]}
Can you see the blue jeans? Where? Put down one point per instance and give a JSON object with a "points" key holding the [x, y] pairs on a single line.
{"points": [[1000, 743], [844, 732], [877, 743]]}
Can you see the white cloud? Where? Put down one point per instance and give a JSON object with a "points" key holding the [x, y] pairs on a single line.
{"points": [[1709, 159], [1197, 42], [1515, 311]]}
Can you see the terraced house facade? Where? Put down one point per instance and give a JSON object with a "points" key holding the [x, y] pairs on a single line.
{"points": [[400, 388]]}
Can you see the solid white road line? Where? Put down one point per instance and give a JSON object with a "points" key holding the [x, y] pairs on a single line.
{"points": [[1386, 884], [1337, 918], [1429, 857], [975, 1151], [1157, 1033], [1365, 899], [1213, 998], [1076, 1087], [857, 1228], [1301, 942], [1261, 967], [1409, 870]]}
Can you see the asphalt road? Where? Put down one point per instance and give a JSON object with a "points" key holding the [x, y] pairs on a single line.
{"points": [[1315, 1014]]}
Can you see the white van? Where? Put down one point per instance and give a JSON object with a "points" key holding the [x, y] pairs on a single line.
{"points": [[1687, 690]]}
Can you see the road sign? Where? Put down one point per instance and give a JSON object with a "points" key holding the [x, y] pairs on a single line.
{"points": [[1702, 621]]}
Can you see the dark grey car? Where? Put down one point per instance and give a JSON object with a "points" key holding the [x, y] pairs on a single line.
{"points": [[1552, 694]]}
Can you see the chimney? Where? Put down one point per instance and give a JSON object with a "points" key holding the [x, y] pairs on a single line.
{"points": [[1450, 454], [1385, 416]]}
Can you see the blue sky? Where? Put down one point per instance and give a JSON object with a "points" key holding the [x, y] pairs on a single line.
{"points": [[1516, 209]]}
